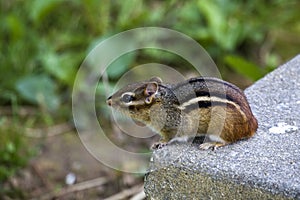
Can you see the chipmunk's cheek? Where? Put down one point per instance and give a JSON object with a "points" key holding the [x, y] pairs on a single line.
{"points": [[131, 108]]}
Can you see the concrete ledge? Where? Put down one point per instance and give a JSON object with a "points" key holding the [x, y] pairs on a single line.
{"points": [[266, 166]]}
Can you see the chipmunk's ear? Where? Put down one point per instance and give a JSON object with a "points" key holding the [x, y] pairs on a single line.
{"points": [[150, 91], [152, 86], [155, 79]]}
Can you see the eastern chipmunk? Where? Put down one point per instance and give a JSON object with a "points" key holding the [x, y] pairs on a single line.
{"points": [[197, 106]]}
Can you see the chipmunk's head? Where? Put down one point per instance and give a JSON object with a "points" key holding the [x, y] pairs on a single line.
{"points": [[135, 100]]}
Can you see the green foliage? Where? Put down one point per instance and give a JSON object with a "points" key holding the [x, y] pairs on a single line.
{"points": [[120, 65], [43, 43], [13, 150], [225, 34], [244, 67], [41, 9], [52, 37], [38, 89]]}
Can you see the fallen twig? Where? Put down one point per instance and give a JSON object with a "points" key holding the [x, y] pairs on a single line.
{"points": [[74, 188], [126, 193], [21, 111]]}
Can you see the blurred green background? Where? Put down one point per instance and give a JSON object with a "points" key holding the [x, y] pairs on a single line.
{"points": [[43, 43]]}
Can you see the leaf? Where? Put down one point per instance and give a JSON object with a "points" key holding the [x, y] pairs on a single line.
{"points": [[38, 89], [40, 9], [15, 27], [127, 14], [63, 66], [244, 67], [227, 31], [215, 17]]}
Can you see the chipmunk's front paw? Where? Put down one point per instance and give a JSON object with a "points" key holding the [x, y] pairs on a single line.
{"points": [[158, 145]]}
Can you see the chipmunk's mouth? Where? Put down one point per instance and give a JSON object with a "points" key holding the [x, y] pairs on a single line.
{"points": [[109, 101]]}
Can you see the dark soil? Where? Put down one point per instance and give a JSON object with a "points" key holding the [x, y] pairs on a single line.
{"points": [[57, 157]]}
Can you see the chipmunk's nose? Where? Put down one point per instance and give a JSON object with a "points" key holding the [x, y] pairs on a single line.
{"points": [[109, 101]]}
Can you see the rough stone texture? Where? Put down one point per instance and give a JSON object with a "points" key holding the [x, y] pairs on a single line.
{"points": [[266, 166]]}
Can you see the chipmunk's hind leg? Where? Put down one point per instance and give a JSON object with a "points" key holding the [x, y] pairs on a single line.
{"points": [[212, 141], [213, 145]]}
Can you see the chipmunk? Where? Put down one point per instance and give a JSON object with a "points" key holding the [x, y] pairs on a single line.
{"points": [[197, 106]]}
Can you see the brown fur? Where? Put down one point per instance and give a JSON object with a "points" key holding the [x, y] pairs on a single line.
{"points": [[159, 106]]}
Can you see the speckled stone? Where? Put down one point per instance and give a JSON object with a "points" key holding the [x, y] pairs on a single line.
{"points": [[266, 166]]}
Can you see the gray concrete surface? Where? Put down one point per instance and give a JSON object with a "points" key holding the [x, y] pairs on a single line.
{"points": [[266, 166]]}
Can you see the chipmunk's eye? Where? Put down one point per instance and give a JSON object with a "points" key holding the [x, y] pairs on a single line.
{"points": [[127, 98]]}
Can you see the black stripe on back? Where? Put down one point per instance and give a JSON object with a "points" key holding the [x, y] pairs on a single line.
{"points": [[216, 80], [203, 90]]}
